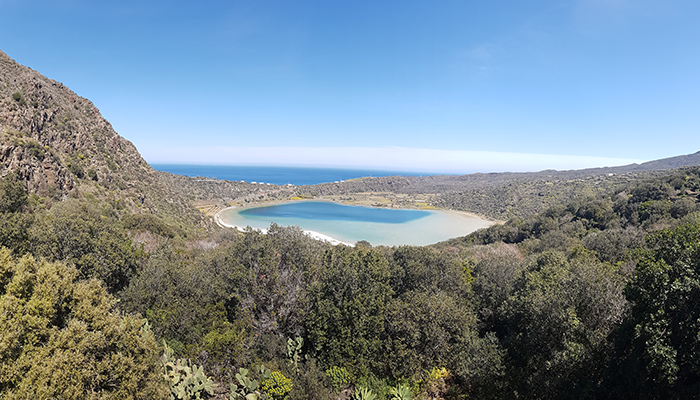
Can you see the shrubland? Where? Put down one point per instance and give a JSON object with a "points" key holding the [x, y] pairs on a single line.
{"points": [[593, 298], [113, 286]]}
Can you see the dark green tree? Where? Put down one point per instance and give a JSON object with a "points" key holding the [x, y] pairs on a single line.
{"points": [[13, 194], [92, 240], [660, 342], [428, 329], [347, 322], [14, 224], [558, 321]]}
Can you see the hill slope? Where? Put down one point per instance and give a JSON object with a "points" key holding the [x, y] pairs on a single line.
{"points": [[664, 163], [60, 145]]}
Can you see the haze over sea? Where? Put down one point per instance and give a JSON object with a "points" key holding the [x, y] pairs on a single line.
{"points": [[275, 174]]}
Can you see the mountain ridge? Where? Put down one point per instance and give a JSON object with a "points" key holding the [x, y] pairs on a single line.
{"points": [[59, 144]]}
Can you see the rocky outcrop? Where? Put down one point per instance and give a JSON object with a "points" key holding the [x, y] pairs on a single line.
{"points": [[60, 145], [43, 173], [54, 138]]}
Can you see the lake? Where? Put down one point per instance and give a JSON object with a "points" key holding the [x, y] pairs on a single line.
{"points": [[350, 224]]}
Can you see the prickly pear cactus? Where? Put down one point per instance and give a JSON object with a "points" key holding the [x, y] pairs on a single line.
{"points": [[186, 382], [247, 388], [294, 352]]}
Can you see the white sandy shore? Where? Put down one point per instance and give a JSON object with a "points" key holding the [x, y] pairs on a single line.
{"points": [[311, 234]]}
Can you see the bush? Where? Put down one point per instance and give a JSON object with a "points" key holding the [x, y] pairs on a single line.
{"points": [[310, 383], [62, 338], [277, 385], [13, 194], [93, 242], [17, 96], [339, 377], [92, 174], [150, 223]]}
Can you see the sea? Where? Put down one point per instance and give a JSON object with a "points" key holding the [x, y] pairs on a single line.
{"points": [[340, 223], [277, 175]]}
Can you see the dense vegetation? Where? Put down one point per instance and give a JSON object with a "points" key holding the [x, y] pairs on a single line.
{"points": [[597, 297], [113, 286]]}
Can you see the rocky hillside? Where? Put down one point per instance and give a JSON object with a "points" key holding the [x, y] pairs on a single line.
{"points": [[61, 146]]}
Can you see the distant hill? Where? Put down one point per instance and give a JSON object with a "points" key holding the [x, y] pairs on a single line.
{"points": [[663, 164], [507, 194], [61, 146], [688, 160]]}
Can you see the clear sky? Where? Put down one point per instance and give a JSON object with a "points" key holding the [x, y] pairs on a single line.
{"points": [[445, 86]]}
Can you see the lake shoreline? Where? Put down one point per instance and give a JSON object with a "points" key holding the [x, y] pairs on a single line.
{"points": [[310, 233], [333, 240]]}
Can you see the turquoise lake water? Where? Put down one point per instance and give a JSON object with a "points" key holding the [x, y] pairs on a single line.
{"points": [[350, 224]]}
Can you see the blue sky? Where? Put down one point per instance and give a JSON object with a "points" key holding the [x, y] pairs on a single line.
{"points": [[445, 86]]}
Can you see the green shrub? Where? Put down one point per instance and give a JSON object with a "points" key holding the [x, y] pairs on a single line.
{"points": [[13, 194], [17, 96], [62, 337], [150, 223], [75, 168], [277, 386], [110, 164], [339, 377], [310, 383], [92, 174]]}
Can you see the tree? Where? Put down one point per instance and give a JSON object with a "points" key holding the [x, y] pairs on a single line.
{"points": [[558, 321], [427, 329], [62, 338], [277, 267], [83, 235], [424, 269], [660, 345], [14, 229], [496, 270], [13, 194], [350, 302]]}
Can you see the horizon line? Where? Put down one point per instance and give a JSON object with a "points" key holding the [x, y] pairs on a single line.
{"points": [[392, 159]]}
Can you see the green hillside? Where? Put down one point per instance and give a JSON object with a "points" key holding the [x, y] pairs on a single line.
{"points": [[112, 285]]}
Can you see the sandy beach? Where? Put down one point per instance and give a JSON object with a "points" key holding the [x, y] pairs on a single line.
{"points": [[440, 225], [311, 234]]}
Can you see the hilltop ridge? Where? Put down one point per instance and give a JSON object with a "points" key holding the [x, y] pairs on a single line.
{"points": [[61, 146], [43, 123]]}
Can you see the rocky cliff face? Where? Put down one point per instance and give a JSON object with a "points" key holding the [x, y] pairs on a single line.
{"points": [[60, 145], [53, 138]]}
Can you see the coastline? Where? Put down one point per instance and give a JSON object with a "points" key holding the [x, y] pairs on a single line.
{"points": [[472, 215], [326, 238], [311, 234]]}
